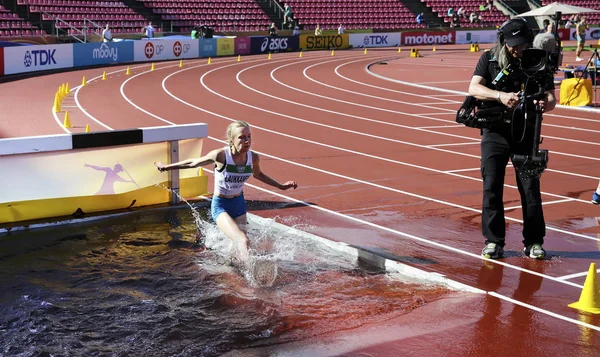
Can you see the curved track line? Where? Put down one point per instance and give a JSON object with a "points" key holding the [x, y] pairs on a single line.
{"points": [[337, 148], [425, 241]]}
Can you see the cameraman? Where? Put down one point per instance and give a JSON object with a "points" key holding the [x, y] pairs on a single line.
{"points": [[509, 136]]}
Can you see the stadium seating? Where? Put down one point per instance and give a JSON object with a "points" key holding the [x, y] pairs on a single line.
{"points": [[221, 15], [489, 18], [353, 14], [116, 14], [11, 25]]}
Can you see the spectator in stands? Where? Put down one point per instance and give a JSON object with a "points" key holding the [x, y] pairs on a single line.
{"points": [[421, 19], [273, 30], [461, 12], [318, 31], [106, 34], [486, 7], [288, 16], [580, 29], [474, 18], [454, 21], [547, 27], [341, 29], [148, 31], [296, 31], [450, 11]]}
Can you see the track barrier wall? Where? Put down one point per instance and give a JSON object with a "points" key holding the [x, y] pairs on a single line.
{"points": [[30, 58], [76, 174]]}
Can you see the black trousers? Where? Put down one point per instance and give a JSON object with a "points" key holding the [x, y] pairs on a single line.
{"points": [[496, 149]]}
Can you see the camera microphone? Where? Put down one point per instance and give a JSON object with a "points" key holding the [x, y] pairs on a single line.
{"points": [[545, 41]]}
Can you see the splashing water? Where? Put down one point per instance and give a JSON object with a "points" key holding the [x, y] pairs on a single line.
{"points": [[258, 266]]}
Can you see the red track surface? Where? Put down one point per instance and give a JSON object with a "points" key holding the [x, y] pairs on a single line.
{"points": [[387, 168]]}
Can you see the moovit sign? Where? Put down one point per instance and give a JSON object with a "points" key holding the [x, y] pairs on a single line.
{"points": [[157, 50], [20, 59], [427, 38], [261, 44], [85, 54], [325, 42], [374, 39]]}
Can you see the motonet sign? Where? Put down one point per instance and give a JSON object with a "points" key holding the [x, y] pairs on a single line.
{"points": [[427, 38]]}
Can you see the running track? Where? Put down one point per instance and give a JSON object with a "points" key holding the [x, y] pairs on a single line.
{"points": [[382, 163]]}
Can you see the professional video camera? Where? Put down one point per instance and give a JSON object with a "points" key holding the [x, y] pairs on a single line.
{"points": [[539, 64]]}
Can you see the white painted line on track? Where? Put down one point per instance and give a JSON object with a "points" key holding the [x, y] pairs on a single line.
{"points": [[464, 170], [543, 311], [454, 144], [362, 154], [576, 275], [425, 241]]}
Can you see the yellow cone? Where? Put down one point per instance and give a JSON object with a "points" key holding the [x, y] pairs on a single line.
{"points": [[128, 72], [433, 48], [63, 91], [87, 128], [56, 106], [333, 52], [60, 93], [365, 51], [67, 89], [399, 50], [83, 82], [589, 301], [67, 122], [152, 68], [209, 60], [300, 55], [180, 63], [104, 76], [269, 55], [239, 58]]}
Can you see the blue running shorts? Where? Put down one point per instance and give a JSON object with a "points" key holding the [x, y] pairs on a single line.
{"points": [[235, 207]]}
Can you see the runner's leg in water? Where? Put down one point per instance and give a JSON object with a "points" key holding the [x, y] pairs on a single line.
{"points": [[231, 228]]}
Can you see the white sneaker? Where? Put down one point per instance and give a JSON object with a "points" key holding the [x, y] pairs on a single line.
{"points": [[578, 59]]}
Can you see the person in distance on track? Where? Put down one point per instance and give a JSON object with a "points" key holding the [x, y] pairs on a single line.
{"points": [[507, 137], [234, 164]]}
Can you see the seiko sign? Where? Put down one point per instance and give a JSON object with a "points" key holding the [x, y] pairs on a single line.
{"points": [[104, 52], [274, 44]]}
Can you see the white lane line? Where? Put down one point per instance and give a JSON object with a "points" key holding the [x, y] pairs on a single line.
{"points": [[453, 144], [575, 275], [463, 170], [329, 146], [543, 311], [423, 240]]}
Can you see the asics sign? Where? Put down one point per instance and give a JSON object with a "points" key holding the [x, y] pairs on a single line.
{"points": [[165, 49], [19, 59], [274, 44], [374, 40]]}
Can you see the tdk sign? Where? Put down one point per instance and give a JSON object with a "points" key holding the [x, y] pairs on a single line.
{"points": [[39, 58], [274, 44], [105, 52], [376, 40]]}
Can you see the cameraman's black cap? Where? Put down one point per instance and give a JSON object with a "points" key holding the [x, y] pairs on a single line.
{"points": [[516, 33]]}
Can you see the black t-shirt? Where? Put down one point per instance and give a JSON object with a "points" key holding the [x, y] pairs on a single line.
{"points": [[488, 68]]}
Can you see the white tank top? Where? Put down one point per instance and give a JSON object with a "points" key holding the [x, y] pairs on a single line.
{"points": [[230, 180]]}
